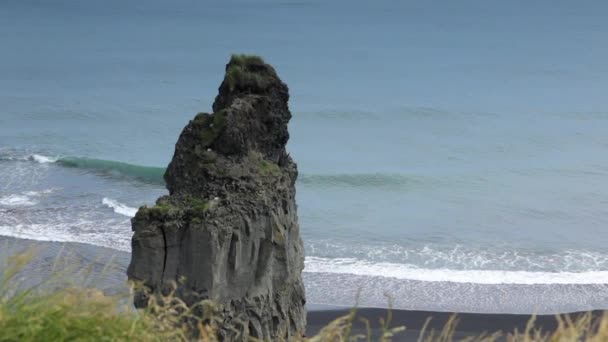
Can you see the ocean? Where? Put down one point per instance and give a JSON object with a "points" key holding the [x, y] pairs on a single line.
{"points": [[452, 155]]}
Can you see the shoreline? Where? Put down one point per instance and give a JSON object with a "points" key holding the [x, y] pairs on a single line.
{"points": [[112, 280]]}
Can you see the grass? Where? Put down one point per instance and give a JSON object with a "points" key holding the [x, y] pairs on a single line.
{"points": [[157, 211], [244, 59], [71, 315], [244, 73], [195, 206], [263, 165], [78, 313], [200, 206], [55, 311], [214, 128]]}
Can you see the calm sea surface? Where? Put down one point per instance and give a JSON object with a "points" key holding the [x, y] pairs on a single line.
{"points": [[452, 154]]}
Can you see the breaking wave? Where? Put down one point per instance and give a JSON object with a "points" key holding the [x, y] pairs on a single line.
{"points": [[154, 175], [118, 237], [42, 159], [149, 174], [145, 173], [119, 208], [456, 256], [411, 272]]}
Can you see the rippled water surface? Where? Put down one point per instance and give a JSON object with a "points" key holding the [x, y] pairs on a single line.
{"points": [[445, 150]]}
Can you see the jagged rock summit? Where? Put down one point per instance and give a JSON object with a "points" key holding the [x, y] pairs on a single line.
{"points": [[228, 229]]}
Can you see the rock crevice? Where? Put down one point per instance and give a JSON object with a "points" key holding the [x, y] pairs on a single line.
{"points": [[228, 229]]}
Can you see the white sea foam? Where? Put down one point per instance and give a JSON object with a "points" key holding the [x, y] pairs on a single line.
{"points": [[42, 159], [461, 257], [119, 208], [38, 232], [16, 200], [411, 272], [25, 198], [37, 193], [88, 233]]}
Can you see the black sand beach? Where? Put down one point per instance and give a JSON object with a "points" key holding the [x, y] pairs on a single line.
{"points": [[469, 324], [105, 269]]}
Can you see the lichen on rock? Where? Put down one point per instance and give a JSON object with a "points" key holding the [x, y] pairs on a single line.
{"points": [[228, 229]]}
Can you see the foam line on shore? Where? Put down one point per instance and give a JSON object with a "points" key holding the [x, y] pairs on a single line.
{"points": [[410, 272], [355, 267]]}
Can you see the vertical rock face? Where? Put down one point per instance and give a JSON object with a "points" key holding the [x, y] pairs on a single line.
{"points": [[228, 229]]}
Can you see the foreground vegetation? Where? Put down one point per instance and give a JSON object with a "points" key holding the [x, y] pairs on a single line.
{"points": [[83, 314]]}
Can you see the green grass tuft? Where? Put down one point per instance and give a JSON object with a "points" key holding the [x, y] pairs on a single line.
{"points": [[240, 73], [265, 167], [269, 167], [210, 133], [71, 315], [244, 59], [199, 206], [158, 211], [65, 312]]}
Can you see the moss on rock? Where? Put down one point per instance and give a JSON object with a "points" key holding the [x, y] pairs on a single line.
{"points": [[159, 211], [213, 128], [262, 165], [199, 206]]}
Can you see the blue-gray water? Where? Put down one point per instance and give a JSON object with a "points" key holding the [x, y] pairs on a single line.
{"points": [[458, 146]]}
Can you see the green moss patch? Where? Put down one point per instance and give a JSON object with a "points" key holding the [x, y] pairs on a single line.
{"points": [[263, 166], [212, 131], [158, 212], [199, 206], [269, 167], [194, 206]]}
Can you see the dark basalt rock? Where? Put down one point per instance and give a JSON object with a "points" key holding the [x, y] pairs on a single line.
{"points": [[228, 229]]}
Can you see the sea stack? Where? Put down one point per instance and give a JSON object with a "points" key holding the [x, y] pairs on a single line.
{"points": [[228, 230]]}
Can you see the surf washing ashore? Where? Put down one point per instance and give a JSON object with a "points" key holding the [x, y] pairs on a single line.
{"points": [[455, 279], [106, 269]]}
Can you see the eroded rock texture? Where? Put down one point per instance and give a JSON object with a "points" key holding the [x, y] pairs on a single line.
{"points": [[228, 229]]}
